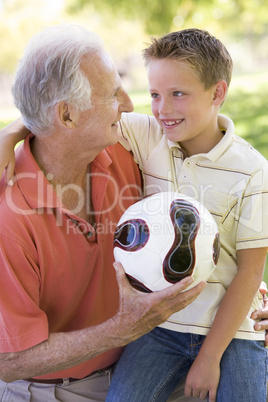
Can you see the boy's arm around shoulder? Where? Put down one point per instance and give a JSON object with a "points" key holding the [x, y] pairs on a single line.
{"points": [[9, 137], [140, 132]]}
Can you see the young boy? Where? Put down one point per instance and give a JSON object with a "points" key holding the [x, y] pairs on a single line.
{"points": [[188, 147]]}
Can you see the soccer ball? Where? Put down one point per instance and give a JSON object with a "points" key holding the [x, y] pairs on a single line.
{"points": [[165, 237]]}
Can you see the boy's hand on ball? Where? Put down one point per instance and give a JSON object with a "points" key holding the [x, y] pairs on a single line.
{"points": [[140, 312]]}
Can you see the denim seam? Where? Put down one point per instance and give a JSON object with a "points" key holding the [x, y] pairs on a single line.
{"points": [[166, 380], [196, 343]]}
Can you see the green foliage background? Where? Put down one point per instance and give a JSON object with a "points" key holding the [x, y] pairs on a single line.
{"points": [[157, 16]]}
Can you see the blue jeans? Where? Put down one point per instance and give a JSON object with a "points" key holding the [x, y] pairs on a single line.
{"points": [[151, 367]]}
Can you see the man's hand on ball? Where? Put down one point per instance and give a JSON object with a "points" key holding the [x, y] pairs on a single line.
{"points": [[140, 312]]}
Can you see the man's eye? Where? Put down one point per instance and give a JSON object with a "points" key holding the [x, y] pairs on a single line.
{"points": [[177, 93], [154, 95]]}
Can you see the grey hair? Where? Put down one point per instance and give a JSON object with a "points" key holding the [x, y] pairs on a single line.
{"points": [[49, 72]]}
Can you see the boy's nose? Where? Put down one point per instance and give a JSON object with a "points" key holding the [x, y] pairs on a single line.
{"points": [[165, 107]]}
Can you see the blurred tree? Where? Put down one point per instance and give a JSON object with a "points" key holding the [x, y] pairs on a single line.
{"points": [[19, 21], [125, 26], [241, 24], [156, 15], [161, 16]]}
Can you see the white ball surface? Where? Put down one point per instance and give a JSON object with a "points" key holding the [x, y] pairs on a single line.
{"points": [[165, 237]]}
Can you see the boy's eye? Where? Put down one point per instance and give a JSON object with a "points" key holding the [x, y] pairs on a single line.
{"points": [[177, 93], [154, 95]]}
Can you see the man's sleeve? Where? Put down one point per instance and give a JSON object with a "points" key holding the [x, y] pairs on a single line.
{"points": [[22, 323]]}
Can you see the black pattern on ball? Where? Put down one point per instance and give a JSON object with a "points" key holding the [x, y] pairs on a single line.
{"points": [[180, 260]]}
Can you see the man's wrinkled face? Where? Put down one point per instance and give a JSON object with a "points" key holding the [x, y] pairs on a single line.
{"points": [[109, 100]]}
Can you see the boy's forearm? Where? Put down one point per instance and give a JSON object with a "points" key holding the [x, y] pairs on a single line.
{"points": [[16, 131], [9, 137], [236, 303], [230, 316]]}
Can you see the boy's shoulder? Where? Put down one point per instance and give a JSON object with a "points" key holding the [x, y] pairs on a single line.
{"points": [[236, 150], [245, 153]]}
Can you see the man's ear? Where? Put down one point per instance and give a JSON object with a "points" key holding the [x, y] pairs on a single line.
{"points": [[220, 93], [66, 114]]}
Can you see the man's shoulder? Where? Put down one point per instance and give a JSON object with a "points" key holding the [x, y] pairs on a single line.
{"points": [[12, 202], [3, 185], [5, 190]]}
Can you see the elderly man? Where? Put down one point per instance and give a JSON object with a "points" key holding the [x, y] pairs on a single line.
{"points": [[65, 313]]}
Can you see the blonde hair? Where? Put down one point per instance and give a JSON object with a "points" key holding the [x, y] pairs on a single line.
{"points": [[203, 52]]}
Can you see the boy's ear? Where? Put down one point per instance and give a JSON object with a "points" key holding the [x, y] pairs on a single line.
{"points": [[66, 114], [220, 93]]}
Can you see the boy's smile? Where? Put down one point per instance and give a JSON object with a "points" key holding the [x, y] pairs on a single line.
{"points": [[171, 123], [185, 110]]}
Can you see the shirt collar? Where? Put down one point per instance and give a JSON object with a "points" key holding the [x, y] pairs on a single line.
{"points": [[226, 125]]}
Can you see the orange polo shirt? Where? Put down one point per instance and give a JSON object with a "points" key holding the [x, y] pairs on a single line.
{"points": [[56, 269]]}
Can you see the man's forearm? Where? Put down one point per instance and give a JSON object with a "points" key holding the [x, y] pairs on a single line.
{"points": [[60, 352], [138, 314]]}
